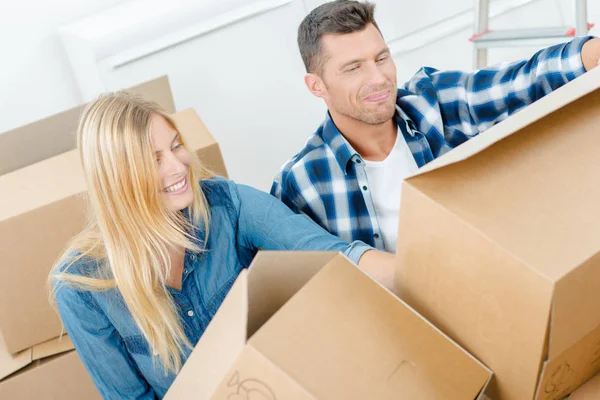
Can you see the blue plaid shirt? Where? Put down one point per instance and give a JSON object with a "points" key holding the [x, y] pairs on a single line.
{"points": [[436, 111]]}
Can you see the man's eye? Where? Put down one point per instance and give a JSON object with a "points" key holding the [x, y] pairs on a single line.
{"points": [[381, 59], [177, 145], [353, 68]]}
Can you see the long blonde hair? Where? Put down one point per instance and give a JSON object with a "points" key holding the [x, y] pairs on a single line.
{"points": [[130, 232]]}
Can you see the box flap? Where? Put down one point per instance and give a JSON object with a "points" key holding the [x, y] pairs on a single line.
{"points": [[56, 134], [272, 278], [217, 349], [255, 377], [275, 276], [10, 363], [199, 138], [533, 193], [575, 307], [343, 336], [565, 372], [579, 87], [52, 347]]}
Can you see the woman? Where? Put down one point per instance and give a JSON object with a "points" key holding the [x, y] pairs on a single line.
{"points": [[165, 242]]}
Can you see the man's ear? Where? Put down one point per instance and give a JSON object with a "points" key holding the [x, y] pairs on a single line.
{"points": [[315, 84]]}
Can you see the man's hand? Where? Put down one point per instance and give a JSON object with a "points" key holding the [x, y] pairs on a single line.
{"points": [[379, 266], [590, 54]]}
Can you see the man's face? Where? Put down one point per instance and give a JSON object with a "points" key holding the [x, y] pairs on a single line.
{"points": [[359, 76]]}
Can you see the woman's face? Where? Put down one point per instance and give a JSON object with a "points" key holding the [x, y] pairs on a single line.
{"points": [[173, 162]]}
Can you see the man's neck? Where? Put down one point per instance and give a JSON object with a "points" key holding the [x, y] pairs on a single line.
{"points": [[372, 142]]}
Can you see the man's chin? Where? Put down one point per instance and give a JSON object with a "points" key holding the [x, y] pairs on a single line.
{"points": [[377, 117]]}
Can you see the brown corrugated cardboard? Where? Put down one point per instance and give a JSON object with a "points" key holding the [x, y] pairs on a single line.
{"points": [[499, 245], [197, 137], [589, 391], [56, 134], [9, 363], [52, 347], [44, 210], [58, 377], [311, 325]]}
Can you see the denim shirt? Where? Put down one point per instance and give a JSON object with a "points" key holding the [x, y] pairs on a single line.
{"points": [[243, 220]]}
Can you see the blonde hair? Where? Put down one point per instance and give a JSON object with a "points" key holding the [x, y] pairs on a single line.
{"points": [[130, 232]]}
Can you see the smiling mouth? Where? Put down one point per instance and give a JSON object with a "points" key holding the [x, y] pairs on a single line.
{"points": [[177, 187], [377, 97]]}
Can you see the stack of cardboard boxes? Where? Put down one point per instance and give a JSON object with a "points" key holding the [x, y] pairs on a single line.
{"points": [[41, 208]]}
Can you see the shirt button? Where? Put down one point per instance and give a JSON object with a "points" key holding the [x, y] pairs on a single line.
{"points": [[193, 256], [376, 235], [185, 271], [358, 161], [190, 313], [365, 188]]}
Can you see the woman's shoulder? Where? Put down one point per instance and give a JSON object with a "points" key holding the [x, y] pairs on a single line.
{"points": [[220, 192]]}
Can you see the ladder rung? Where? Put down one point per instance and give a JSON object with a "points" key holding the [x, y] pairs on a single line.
{"points": [[520, 37]]}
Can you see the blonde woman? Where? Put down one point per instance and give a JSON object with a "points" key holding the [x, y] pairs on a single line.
{"points": [[165, 242]]}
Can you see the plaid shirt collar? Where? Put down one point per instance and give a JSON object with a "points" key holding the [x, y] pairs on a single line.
{"points": [[343, 151]]}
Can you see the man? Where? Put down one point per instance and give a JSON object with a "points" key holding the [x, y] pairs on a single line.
{"points": [[348, 176]]}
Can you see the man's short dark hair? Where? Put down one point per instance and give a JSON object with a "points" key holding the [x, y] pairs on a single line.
{"points": [[337, 17]]}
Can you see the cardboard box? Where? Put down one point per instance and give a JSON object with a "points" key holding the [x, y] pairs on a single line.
{"points": [[499, 245], [51, 370], [589, 391], [311, 325], [45, 208], [54, 135]]}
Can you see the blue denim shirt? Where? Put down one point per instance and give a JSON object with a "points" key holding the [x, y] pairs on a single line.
{"points": [[243, 220]]}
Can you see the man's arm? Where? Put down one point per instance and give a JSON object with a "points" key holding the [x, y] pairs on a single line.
{"points": [[590, 53], [379, 266], [470, 103]]}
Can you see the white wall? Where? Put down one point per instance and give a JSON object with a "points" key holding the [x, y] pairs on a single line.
{"points": [[35, 77], [234, 61]]}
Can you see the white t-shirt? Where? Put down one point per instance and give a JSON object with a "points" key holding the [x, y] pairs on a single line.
{"points": [[385, 181]]}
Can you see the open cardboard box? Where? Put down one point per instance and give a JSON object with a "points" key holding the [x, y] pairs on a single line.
{"points": [[311, 325], [499, 244]]}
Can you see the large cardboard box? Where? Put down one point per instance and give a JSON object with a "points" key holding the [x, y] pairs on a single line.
{"points": [[43, 208], [499, 244], [51, 370], [311, 325]]}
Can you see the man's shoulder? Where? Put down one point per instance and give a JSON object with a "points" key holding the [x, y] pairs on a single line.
{"points": [[314, 149]]}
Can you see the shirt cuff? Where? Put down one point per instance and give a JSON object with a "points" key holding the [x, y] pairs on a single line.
{"points": [[355, 251], [574, 48]]}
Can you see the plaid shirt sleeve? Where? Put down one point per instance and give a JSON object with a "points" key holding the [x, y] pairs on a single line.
{"points": [[464, 104], [286, 189]]}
